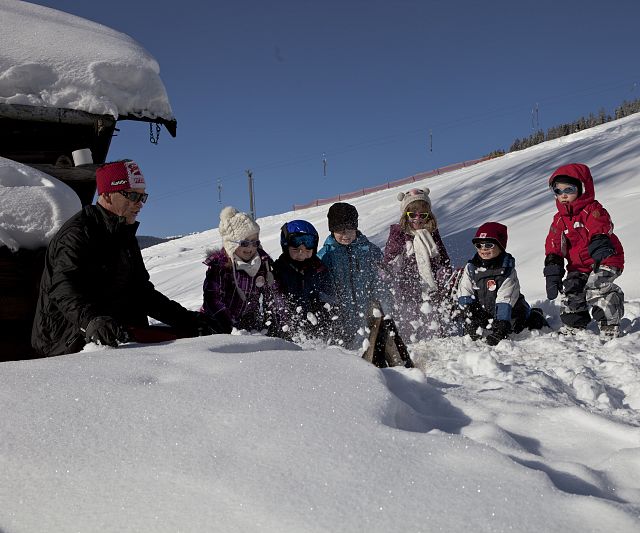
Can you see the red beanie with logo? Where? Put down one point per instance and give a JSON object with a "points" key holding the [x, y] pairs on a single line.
{"points": [[119, 176], [492, 231]]}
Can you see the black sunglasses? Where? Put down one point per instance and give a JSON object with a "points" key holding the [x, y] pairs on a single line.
{"points": [[484, 245], [135, 197], [246, 243], [569, 189]]}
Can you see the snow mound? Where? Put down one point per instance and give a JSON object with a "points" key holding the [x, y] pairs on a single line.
{"points": [[75, 64], [33, 206]]}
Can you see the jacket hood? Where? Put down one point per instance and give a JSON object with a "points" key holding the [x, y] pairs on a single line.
{"points": [[583, 174]]}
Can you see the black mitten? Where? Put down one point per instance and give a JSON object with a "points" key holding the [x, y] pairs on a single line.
{"points": [[600, 248], [553, 272], [106, 331], [500, 329]]}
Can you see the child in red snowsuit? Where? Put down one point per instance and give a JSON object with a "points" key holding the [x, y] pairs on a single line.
{"points": [[582, 233]]}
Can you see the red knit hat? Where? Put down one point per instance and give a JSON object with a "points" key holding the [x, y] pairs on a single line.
{"points": [[492, 231], [119, 176]]}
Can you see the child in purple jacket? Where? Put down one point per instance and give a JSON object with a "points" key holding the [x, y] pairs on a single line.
{"points": [[418, 265], [238, 287]]}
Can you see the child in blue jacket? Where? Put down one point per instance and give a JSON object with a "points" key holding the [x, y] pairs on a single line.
{"points": [[353, 262]]}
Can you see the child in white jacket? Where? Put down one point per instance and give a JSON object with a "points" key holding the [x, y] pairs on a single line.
{"points": [[489, 290]]}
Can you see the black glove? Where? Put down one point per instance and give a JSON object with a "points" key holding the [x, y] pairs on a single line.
{"points": [[201, 324], [553, 273], [474, 317], [221, 323], [500, 330], [600, 248], [471, 328], [536, 319], [106, 331]]}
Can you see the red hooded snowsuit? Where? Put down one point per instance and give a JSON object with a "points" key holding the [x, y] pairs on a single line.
{"points": [[576, 223]]}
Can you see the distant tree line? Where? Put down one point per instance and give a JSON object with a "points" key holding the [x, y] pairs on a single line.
{"points": [[583, 123]]}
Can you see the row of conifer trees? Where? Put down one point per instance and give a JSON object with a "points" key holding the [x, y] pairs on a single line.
{"points": [[583, 123]]}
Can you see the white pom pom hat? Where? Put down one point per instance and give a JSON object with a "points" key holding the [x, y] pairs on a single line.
{"points": [[235, 226]]}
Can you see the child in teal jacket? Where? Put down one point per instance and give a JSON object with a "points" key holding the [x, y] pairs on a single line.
{"points": [[353, 262]]}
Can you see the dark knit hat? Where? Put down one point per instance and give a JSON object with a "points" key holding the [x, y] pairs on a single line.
{"points": [[118, 176], [342, 216], [569, 180], [492, 231]]}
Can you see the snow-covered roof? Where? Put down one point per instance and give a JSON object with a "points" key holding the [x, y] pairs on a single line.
{"points": [[33, 206], [54, 59]]}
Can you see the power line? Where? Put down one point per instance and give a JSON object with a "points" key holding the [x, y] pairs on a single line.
{"points": [[466, 120]]}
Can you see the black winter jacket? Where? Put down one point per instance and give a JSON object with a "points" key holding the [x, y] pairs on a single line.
{"points": [[304, 287], [303, 283], [93, 267]]}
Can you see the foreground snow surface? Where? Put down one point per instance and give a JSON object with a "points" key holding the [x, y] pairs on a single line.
{"points": [[246, 433]]}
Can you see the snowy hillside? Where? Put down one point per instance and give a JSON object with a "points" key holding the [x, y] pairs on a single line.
{"points": [[511, 189], [246, 433]]}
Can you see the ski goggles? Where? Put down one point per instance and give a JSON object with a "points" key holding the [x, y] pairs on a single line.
{"points": [[246, 243], [415, 215], [484, 245], [306, 240], [569, 189], [135, 197]]}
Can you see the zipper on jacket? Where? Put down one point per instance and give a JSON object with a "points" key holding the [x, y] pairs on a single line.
{"points": [[353, 288], [73, 339]]}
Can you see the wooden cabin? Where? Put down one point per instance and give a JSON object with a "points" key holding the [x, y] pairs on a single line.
{"points": [[44, 138]]}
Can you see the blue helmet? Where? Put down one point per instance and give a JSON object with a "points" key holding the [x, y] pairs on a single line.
{"points": [[294, 230]]}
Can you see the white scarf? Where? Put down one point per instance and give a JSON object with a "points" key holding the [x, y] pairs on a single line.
{"points": [[251, 268], [425, 248]]}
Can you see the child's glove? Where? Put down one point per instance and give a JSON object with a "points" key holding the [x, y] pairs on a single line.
{"points": [[500, 329], [600, 248], [553, 272], [474, 318]]}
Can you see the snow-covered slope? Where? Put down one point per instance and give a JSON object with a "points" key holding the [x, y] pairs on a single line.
{"points": [[511, 189]]}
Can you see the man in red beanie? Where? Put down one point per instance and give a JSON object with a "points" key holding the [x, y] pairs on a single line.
{"points": [[95, 287], [489, 291]]}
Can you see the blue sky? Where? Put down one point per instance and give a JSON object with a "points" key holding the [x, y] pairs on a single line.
{"points": [[272, 86]]}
